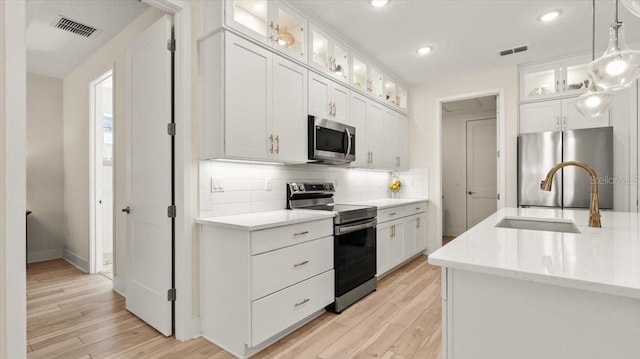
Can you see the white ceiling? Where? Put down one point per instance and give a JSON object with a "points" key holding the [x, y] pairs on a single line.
{"points": [[472, 105], [466, 34], [54, 52]]}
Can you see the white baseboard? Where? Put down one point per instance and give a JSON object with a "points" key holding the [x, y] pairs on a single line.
{"points": [[76, 260], [44, 255], [120, 286]]}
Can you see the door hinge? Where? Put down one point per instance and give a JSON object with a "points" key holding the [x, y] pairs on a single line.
{"points": [[171, 45], [171, 211], [171, 129], [498, 196], [498, 153], [171, 295]]}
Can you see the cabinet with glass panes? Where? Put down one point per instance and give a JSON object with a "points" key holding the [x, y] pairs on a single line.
{"points": [[555, 79]]}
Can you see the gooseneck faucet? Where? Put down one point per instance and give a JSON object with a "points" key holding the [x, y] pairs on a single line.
{"points": [[594, 208]]}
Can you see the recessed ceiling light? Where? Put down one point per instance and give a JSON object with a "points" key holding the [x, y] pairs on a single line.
{"points": [[424, 50], [549, 15], [378, 3]]}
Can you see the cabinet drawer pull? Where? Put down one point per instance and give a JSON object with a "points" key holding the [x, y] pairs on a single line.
{"points": [[300, 264], [418, 208], [271, 145], [418, 223], [392, 214], [302, 302], [300, 233], [277, 144]]}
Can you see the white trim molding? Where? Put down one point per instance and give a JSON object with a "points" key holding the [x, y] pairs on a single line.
{"points": [[501, 138], [13, 120], [75, 260]]}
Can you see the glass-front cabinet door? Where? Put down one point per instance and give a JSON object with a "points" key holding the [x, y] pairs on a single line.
{"points": [[329, 55], [289, 30], [539, 84], [390, 91], [319, 50], [577, 79], [401, 98], [340, 62], [271, 22], [249, 17], [359, 71], [375, 82]]}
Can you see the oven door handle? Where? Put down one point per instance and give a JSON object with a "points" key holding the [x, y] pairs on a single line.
{"points": [[346, 130], [356, 227]]}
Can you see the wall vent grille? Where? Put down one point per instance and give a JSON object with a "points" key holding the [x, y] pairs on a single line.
{"points": [[515, 50], [66, 24]]}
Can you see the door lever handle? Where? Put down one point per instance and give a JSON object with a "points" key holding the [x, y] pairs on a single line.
{"points": [[471, 193], [127, 210]]}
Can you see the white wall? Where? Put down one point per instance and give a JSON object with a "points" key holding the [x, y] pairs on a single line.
{"points": [[423, 131], [454, 170], [13, 311], [44, 167], [76, 144]]}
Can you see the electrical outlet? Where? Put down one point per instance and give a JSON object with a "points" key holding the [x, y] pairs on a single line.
{"points": [[268, 185]]}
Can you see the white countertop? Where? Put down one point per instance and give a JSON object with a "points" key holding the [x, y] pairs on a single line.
{"points": [[603, 259], [389, 202], [262, 220]]}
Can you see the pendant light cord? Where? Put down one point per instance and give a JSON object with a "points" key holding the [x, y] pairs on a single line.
{"points": [[593, 31], [617, 12]]}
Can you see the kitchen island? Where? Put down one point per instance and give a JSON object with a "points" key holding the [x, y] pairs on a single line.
{"points": [[519, 293]]}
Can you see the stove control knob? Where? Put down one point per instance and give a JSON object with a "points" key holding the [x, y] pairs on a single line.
{"points": [[301, 187], [294, 187], [327, 187]]}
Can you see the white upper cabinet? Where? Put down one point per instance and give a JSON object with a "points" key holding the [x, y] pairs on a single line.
{"points": [[540, 116], [248, 75], [562, 78], [328, 55], [376, 82], [271, 22], [328, 99], [289, 110], [358, 117], [396, 128], [557, 115], [263, 113]]}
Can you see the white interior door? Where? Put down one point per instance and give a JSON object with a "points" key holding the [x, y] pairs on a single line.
{"points": [[482, 189], [149, 242]]}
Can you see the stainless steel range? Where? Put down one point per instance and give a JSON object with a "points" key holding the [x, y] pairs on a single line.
{"points": [[354, 240]]}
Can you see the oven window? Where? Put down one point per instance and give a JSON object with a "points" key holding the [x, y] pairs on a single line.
{"points": [[355, 259], [329, 140]]}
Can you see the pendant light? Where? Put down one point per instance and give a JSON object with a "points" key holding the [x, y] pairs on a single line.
{"points": [[633, 6], [594, 102], [619, 67]]}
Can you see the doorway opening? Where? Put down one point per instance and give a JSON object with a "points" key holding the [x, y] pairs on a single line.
{"points": [[102, 166], [472, 170]]}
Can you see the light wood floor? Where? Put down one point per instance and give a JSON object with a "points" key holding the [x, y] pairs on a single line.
{"points": [[75, 315]]}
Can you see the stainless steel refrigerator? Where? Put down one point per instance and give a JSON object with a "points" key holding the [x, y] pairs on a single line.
{"points": [[538, 152]]}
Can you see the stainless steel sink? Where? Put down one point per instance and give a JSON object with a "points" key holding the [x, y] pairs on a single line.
{"points": [[539, 224]]}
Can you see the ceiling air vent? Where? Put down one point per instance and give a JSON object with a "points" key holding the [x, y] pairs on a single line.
{"points": [[515, 50], [75, 27]]}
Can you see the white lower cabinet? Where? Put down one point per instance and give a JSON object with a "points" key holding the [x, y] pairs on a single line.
{"points": [[256, 286], [401, 234]]}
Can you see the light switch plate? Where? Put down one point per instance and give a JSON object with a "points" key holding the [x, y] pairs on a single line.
{"points": [[217, 184]]}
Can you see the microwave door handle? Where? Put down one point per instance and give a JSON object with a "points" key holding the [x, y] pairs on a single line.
{"points": [[346, 130]]}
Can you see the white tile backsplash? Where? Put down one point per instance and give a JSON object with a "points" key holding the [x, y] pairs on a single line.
{"points": [[244, 185]]}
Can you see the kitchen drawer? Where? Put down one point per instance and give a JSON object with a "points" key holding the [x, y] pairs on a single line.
{"points": [[274, 238], [276, 312], [404, 210], [281, 268]]}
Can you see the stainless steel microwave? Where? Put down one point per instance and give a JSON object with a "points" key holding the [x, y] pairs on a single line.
{"points": [[331, 142]]}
